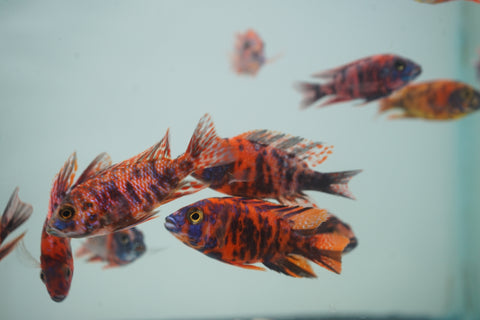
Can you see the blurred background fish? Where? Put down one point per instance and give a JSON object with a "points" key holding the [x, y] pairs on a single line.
{"points": [[369, 78], [116, 249], [243, 231], [433, 100], [15, 214]]}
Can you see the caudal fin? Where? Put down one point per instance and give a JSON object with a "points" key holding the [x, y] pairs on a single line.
{"points": [[15, 214], [326, 250], [334, 182], [311, 92], [206, 149], [7, 248]]}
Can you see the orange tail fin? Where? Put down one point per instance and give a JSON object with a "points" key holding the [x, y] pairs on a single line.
{"points": [[326, 250]]}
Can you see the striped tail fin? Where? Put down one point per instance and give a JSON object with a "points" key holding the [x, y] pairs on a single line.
{"points": [[334, 182], [311, 92], [326, 250]]}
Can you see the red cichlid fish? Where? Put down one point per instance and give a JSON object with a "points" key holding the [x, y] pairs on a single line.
{"points": [[369, 78], [126, 194], [56, 260], [275, 165], [242, 231], [116, 249], [15, 214], [433, 100]]}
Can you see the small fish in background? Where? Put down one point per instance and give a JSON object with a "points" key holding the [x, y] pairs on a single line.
{"points": [[369, 78], [126, 194], [116, 249], [15, 214], [275, 165], [243, 231], [249, 53], [56, 261], [441, 1], [433, 100]]}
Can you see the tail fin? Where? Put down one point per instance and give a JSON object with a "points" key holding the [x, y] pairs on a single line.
{"points": [[6, 249], [15, 214], [311, 92], [206, 149], [326, 250], [335, 225], [333, 182]]}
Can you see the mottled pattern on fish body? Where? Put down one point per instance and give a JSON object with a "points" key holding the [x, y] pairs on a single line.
{"points": [[433, 100], [248, 56], [369, 78], [242, 231], [275, 165]]}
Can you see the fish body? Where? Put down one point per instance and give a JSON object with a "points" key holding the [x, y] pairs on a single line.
{"points": [[243, 231], [433, 100], [126, 194], [369, 78], [275, 165], [15, 214], [249, 55], [116, 249]]}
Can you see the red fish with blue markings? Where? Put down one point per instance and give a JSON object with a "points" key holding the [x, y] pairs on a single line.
{"points": [[128, 193], [243, 231], [369, 78], [275, 165], [15, 214]]}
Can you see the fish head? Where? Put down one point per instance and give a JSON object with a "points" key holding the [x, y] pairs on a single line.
{"points": [[75, 217], [398, 71], [197, 225], [128, 245], [464, 99], [56, 265]]}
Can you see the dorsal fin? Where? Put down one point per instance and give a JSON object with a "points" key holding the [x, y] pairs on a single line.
{"points": [[63, 181], [101, 162], [302, 218], [158, 151], [311, 152]]}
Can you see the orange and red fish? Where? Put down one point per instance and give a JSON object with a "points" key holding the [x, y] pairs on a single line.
{"points": [[433, 100], [116, 249], [15, 214], [56, 261], [369, 78], [243, 231], [441, 1], [126, 194], [275, 165], [249, 53]]}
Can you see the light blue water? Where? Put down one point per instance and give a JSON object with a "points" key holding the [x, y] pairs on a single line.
{"points": [[113, 75]]}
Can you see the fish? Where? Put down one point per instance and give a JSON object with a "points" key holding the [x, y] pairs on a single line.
{"points": [[441, 1], [15, 214], [56, 260], [116, 249], [369, 78], [249, 53], [275, 165], [441, 99], [128, 193], [334, 225], [244, 231]]}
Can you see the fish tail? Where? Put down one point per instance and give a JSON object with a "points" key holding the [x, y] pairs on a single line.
{"points": [[334, 224], [312, 92], [333, 182], [7, 248], [206, 149], [15, 214], [385, 104], [326, 250]]}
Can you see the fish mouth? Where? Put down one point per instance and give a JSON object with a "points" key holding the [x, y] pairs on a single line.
{"points": [[59, 298], [416, 71], [52, 231], [170, 224]]}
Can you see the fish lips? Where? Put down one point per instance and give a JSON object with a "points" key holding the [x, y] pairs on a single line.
{"points": [[416, 72], [171, 224], [58, 298]]}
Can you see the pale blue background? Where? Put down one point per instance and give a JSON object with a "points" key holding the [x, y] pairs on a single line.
{"points": [[94, 76]]}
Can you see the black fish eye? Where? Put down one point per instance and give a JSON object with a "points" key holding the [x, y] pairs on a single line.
{"points": [[42, 276], [195, 215], [68, 272], [399, 65], [66, 213], [124, 239]]}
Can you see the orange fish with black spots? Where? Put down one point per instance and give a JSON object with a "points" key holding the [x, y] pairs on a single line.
{"points": [[275, 165], [126, 194], [243, 231], [56, 261], [433, 100], [15, 214], [369, 78]]}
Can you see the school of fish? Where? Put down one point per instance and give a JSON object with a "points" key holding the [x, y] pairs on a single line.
{"points": [[253, 169]]}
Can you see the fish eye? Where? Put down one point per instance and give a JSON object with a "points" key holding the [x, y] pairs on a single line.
{"points": [[68, 272], [399, 65], [124, 239], [466, 94], [195, 215], [66, 213], [42, 276]]}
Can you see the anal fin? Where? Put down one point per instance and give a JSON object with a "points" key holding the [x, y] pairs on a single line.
{"points": [[292, 265]]}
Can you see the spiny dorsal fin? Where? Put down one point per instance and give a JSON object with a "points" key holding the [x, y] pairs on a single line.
{"points": [[62, 182], [311, 152], [98, 164]]}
